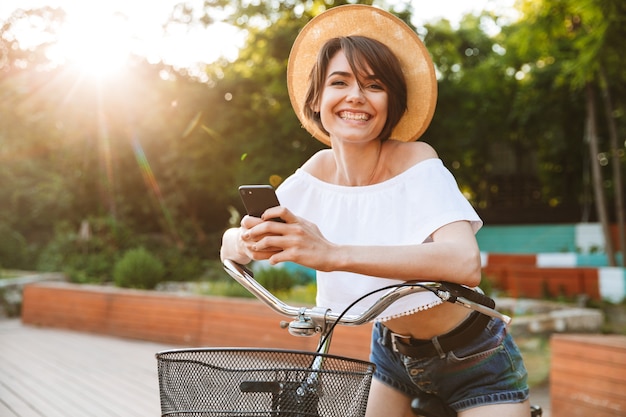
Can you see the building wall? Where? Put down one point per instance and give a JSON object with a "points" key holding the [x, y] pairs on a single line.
{"points": [[563, 259]]}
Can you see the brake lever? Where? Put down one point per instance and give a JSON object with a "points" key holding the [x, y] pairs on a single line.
{"points": [[459, 294]]}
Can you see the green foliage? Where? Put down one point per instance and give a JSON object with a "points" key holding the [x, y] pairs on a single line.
{"points": [[86, 259], [138, 268], [91, 259], [181, 265], [159, 153], [302, 294], [275, 279], [13, 248], [536, 353], [288, 285], [487, 286], [227, 288]]}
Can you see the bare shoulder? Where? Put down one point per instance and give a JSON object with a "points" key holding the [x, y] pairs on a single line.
{"points": [[420, 150], [408, 154], [318, 164]]}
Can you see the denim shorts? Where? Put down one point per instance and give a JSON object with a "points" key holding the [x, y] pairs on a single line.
{"points": [[489, 370]]}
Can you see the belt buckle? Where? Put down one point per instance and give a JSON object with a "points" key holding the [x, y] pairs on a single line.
{"points": [[394, 340]]}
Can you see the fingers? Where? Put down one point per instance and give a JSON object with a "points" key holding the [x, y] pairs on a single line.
{"points": [[264, 243], [263, 238], [248, 222], [280, 213], [258, 251], [254, 236], [273, 214]]}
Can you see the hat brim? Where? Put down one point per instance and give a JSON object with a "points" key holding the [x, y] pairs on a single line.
{"points": [[369, 21]]}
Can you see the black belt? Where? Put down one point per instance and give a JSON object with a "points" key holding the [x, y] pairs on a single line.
{"points": [[456, 338]]}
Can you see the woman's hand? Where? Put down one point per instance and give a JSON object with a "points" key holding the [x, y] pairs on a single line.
{"points": [[252, 234], [295, 240], [239, 249]]}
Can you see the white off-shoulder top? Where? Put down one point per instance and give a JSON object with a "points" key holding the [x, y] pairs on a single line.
{"points": [[405, 209]]}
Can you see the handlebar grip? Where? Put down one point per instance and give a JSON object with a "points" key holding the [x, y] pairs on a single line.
{"points": [[458, 290]]}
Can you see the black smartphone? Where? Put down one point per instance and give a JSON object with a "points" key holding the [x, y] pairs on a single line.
{"points": [[258, 198]]}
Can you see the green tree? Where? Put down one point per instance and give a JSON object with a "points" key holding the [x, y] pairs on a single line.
{"points": [[159, 152], [580, 39]]}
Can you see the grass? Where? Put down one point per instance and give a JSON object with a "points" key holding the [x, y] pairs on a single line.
{"points": [[300, 295], [536, 353], [9, 273]]}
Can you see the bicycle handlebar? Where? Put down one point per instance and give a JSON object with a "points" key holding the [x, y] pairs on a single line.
{"points": [[315, 320]]}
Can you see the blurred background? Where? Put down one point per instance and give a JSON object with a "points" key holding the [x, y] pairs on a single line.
{"points": [[127, 125]]}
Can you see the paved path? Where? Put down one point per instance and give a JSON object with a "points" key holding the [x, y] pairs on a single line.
{"points": [[59, 373], [541, 396]]}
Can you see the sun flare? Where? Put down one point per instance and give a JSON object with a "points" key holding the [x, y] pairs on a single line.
{"points": [[99, 39], [95, 45]]}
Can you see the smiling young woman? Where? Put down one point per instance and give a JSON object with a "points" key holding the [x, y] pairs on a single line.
{"points": [[378, 208]]}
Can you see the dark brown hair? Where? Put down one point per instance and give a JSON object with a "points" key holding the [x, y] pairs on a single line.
{"points": [[361, 52]]}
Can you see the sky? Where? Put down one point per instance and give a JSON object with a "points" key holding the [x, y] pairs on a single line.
{"points": [[95, 36], [453, 10]]}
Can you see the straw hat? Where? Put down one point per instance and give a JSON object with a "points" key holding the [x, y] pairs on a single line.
{"points": [[378, 24]]}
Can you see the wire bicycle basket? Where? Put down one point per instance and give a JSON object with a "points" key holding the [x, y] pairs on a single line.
{"points": [[250, 382]]}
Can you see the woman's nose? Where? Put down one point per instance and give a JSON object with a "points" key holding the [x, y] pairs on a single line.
{"points": [[356, 94]]}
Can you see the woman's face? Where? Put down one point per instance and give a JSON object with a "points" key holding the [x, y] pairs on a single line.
{"points": [[353, 107]]}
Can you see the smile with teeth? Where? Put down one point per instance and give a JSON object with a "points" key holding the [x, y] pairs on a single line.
{"points": [[346, 115]]}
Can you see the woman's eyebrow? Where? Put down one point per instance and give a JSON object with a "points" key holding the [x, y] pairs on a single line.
{"points": [[340, 73], [349, 74]]}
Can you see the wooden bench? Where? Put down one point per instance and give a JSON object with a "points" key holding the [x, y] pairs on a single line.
{"points": [[588, 375], [182, 320]]}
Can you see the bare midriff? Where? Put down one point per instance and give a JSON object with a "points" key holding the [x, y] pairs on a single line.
{"points": [[429, 323]]}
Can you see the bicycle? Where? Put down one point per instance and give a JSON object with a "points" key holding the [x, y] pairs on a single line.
{"points": [[251, 382]]}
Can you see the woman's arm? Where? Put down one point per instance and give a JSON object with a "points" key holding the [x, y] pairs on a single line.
{"points": [[231, 247], [453, 254]]}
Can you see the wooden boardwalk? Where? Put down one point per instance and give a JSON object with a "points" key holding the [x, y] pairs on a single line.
{"points": [[46, 372], [58, 373]]}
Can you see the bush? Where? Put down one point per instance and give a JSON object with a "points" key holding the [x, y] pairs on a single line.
{"points": [[227, 288], [275, 279], [138, 268], [181, 265], [86, 260], [13, 248]]}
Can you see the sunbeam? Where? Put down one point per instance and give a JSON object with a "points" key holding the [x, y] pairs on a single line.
{"points": [[153, 186]]}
